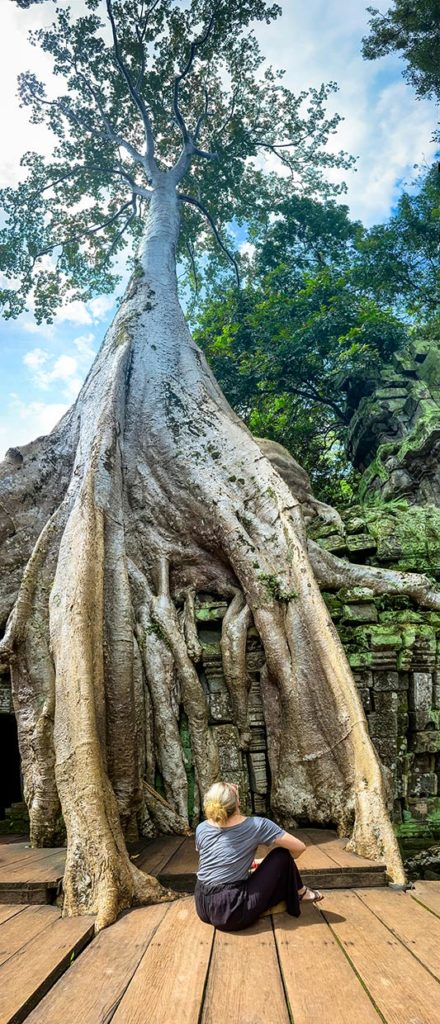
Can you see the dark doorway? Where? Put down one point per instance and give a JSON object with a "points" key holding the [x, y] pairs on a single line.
{"points": [[10, 780]]}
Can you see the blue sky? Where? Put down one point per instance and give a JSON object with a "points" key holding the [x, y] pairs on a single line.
{"points": [[385, 126]]}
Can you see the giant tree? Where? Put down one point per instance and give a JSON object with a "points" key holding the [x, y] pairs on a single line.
{"points": [[150, 488]]}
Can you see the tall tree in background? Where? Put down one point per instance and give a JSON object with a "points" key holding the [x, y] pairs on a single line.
{"points": [[151, 488], [305, 320]]}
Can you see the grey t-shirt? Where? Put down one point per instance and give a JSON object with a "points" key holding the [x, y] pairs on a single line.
{"points": [[226, 854]]}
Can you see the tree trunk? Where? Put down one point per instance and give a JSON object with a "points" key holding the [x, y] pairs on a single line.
{"points": [[158, 491]]}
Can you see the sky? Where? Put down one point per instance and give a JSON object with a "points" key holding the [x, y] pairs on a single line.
{"points": [[385, 127]]}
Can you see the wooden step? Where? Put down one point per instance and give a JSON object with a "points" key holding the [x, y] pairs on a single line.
{"points": [[335, 869], [30, 876]]}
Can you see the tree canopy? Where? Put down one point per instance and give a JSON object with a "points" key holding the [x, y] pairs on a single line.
{"points": [[139, 88], [308, 318]]}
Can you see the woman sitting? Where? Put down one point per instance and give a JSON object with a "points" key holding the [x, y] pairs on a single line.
{"points": [[227, 895]]}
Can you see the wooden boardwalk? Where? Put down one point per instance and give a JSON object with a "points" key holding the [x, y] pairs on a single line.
{"points": [[367, 956], [35, 876]]}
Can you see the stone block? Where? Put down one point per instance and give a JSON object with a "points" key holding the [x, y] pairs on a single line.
{"points": [[426, 742], [259, 739], [420, 692], [5, 698], [423, 784], [365, 695], [383, 724], [220, 709], [421, 763], [361, 543], [363, 679], [424, 807], [402, 723], [258, 773], [228, 749], [436, 691], [386, 681], [260, 804], [210, 611], [419, 721], [386, 750], [385, 701], [403, 681], [356, 595], [255, 704], [255, 659], [359, 613], [335, 544]]}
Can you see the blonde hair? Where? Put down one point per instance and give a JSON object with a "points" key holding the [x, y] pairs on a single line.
{"points": [[220, 802]]}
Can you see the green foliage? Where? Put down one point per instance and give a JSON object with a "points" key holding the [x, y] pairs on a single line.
{"points": [[283, 347], [412, 29], [138, 89], [398, 261]]}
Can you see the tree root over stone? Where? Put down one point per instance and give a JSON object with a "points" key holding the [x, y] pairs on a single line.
{"points": [[167, 494]]}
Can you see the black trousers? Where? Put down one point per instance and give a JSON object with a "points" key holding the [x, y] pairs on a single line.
{"points": [[237, 905]]}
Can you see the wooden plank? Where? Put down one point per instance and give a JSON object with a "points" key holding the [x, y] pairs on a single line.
{"points": [[321, 985], [13, 837], [29, 974], [314, 858], [399, 985], [179, 872], [21, 928], [244, 981], [168, 984], [24, 854], [94, 984], [344, 878], [408, 921], [35, 894], [427, 893], [48, 870], [335, 849], [157, 853], [7, 911], [184, 861]]}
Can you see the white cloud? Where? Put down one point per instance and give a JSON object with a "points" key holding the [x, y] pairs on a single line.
{"points": [[84, 345], [28, 420], [63, 369], [35, 358], [100, 306], [247, 249], [384, 125], [75, 312]]}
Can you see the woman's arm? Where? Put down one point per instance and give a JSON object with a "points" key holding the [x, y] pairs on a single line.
{"points": [[291, 843]]}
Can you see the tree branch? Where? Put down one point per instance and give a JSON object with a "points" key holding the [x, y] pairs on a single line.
{"points": [[84, 125], [134, 93], [199, 206], [88, 231], [196, 44]]}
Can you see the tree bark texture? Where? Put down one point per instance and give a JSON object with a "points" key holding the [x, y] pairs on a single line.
{"points": [[149, 490]]}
